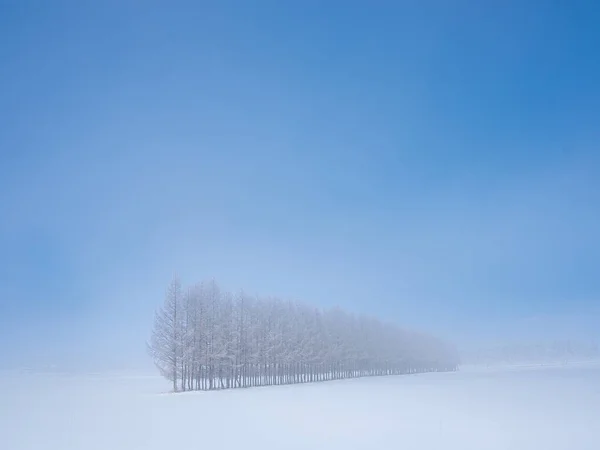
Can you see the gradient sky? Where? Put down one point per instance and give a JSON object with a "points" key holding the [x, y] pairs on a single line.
{"points": [[433, 163]]}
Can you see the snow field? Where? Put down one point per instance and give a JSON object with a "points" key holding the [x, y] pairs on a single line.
{"points": [[550, 408]]}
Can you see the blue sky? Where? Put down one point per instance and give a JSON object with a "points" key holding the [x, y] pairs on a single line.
{"points": [[432, 164]]}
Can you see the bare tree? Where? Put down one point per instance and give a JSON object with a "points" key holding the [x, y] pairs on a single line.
{"points": [[209, 340], [165, 344]]}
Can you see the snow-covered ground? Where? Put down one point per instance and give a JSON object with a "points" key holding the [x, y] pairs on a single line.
{"points": [[546, 408]]}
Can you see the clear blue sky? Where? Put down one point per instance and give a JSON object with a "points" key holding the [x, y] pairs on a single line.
{"points": [[434, 163]]}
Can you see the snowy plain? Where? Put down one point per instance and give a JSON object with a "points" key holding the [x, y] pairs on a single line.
{"points": [[511, 409]]}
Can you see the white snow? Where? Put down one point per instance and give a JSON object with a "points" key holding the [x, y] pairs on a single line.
{"points": [[546, 408]]}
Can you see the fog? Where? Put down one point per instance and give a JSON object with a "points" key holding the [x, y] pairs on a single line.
{"points": [[552, 407], [375, 187]]}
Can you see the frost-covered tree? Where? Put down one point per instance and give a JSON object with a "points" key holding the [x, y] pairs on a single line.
{"points": [[208, 339], [165, 344]]}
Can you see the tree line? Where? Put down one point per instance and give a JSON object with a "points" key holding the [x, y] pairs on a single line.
{"points": [[204, 338], [562, 351]]}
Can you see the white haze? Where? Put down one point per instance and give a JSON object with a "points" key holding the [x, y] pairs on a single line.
{"points": [[548, 408]]}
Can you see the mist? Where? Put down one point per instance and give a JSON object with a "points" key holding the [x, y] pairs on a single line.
{"points": [[405, 197]]}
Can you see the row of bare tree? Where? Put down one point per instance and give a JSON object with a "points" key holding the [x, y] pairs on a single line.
{"points": [[204, 338]]}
